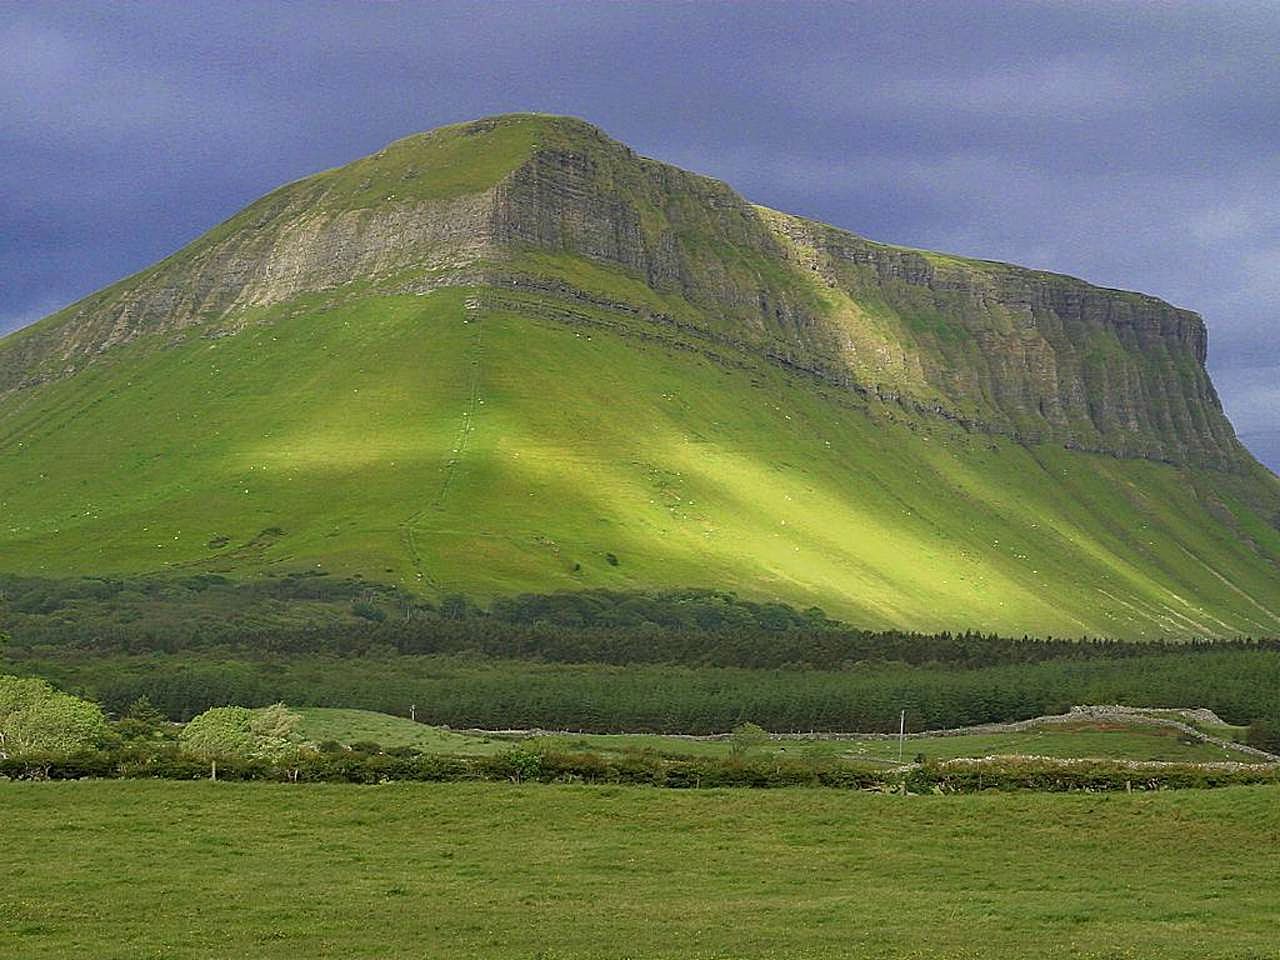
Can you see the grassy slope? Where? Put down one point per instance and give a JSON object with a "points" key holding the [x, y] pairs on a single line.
{"points": [[413, 440], [354, 726], [1112, 742], [492, 871]]}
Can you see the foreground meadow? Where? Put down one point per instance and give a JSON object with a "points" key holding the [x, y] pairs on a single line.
{"points": [[201, 870]]}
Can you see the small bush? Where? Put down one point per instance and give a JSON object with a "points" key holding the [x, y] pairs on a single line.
{"points": [[1263, 735], [368, 611], [518, 765]]}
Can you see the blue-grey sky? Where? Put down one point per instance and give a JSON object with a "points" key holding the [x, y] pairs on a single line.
{"points": [[1134, 145]]}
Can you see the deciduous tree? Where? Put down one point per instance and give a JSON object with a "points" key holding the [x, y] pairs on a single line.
{"points": [[238, 733], [37, 718]]}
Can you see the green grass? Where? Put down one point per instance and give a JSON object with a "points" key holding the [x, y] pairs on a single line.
{"points": [[517, 444], [447, 162], [1111, 741], [125, 870], [354, 726], [409, 440], [1121, 744]]}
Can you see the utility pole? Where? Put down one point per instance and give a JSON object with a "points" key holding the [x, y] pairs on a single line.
{"points": [[902, 732]]}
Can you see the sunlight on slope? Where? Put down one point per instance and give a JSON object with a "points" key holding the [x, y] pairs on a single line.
{"points": [[454, 448]]}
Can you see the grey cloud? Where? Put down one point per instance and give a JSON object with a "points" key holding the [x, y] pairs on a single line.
{"points": [[1135, 145]]}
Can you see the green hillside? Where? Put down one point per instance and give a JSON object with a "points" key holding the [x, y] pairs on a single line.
{"points": [[594, 426], [340, 725]]}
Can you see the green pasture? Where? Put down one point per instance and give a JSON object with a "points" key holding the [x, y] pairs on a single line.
{"points": [[320, 724], [1093, 740], [1132, 743], [133, 870]]}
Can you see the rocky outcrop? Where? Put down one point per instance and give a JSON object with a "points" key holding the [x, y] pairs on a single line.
{"points": [[1052, 357], [681, 232], [285, 246], [1034, 355]]}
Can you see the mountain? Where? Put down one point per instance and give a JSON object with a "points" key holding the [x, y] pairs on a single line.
{"points": [[513, 355]]}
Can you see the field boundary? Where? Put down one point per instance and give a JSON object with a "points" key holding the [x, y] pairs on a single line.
{"points": [[1142, 716]]}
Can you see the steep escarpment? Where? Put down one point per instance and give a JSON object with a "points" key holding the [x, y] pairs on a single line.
{"points": [[513, 355], [1047, 357], [1033, 355], [682, 233]]}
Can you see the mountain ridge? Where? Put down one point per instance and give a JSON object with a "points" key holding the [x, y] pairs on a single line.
{"points": [[511, 354], [1048, 385]]}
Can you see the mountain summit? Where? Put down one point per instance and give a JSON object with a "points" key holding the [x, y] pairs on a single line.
{"points": [[513, 355]]}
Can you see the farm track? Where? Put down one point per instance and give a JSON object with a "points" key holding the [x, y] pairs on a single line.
{"points": [[457, 449]]}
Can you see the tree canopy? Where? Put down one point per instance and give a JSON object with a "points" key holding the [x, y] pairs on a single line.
{"points": [[36, 718], [238, 733]]}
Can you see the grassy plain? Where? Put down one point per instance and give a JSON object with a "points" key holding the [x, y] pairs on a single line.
{"points": [[1102, 741], [132, 870], [354, 726]]}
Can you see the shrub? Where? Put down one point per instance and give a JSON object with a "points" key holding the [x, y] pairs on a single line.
{"points": [[747, 737], [517, 765], [368, 611], [37, 719], [1263, 735]]}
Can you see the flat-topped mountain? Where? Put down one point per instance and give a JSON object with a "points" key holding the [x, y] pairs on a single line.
{"points": [[513, 355]]}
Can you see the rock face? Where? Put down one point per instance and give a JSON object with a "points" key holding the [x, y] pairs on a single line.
{"points": [[1053, 357], [1028, 354]]}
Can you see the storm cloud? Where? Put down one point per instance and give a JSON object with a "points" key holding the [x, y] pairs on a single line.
{"points": [[1136, 146]]}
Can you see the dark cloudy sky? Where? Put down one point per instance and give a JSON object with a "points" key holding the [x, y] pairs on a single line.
{"points": [[1133, 145]]}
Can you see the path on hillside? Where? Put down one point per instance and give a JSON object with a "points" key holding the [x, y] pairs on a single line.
{"points": [[457, 448]]}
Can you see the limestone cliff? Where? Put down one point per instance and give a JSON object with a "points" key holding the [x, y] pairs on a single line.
{"points": [[1029, 354]]}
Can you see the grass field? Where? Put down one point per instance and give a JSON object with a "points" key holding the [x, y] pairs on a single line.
{"points": [[354, 726], [1103, 741], [125, 871]]}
